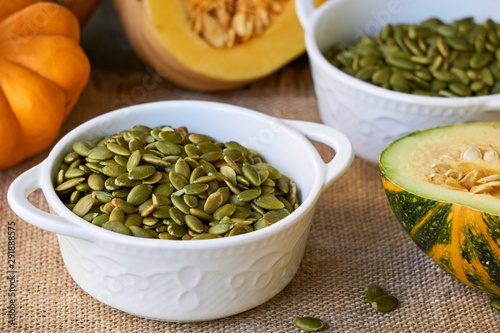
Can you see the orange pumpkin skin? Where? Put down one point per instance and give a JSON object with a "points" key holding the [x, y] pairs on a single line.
{"points": [[83, 9], [43, 70]]}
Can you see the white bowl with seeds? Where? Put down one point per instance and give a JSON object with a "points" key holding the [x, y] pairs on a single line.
{"points": [[189, 280], [372, 116]]}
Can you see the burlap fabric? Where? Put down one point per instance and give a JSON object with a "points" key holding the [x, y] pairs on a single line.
{"points": [[355, 239]]}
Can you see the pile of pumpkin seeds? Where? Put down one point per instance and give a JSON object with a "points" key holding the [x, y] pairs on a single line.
{"points": [[167, 183], [430, 59]]}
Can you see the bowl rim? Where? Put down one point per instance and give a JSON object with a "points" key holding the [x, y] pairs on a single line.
{"points": [[100, 234], [319, 59]]}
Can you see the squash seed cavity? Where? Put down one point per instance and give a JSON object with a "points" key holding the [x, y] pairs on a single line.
{"points": [[226, 23]]}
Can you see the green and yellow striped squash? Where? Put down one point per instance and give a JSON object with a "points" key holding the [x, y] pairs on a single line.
{"points": [[460, 230]]}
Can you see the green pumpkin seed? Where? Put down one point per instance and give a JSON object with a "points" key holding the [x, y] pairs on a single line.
{"points": [[480, 60], [204, 236], [75, 196], [275, 215], [495, 303], [82, 148], [84, 205], [399, 83], [118, 227], [309, 324], [445, 76], [99, 220], [260, 224], [250, 194], [373, 292], [165, 189], [139, 232], [100, 153], [169, 148], [402, 63], [166, 235], [74, 173], [213, 202], [133, 220], [178, 180], [141, 172], [113, 170], [117, 215], [194, 189], [385, 303], [194, 224], [220, 229], [183, 168], [126, 207], [69, 184], [225, 210], [176, 230], [170, 136], [149, 221], [201, 214], [118, 149], [139, 194], [460, 89]]}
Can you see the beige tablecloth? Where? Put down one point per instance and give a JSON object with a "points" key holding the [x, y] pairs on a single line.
{"points": [[355, 239]]}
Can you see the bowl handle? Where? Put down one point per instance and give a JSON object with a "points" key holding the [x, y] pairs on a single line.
{"points": [[304, 9], [17, 197], [344, 153]]}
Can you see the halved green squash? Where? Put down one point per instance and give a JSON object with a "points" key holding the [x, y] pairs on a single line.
{"points": [[443, 186]]}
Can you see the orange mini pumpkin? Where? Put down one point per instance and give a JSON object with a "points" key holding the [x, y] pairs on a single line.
{"points": [[43, 70]]}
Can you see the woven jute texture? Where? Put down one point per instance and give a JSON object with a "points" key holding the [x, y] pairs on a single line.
{"points": [[355, 239]]}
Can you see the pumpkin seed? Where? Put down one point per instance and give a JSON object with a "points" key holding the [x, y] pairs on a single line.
{"points": [[309, 324], [220, 229], [495, 303], [385, 303], [133, 220], [69, 184], [373, 292], [141, 172], [194, 224], [118, 149], [118, 227], [205, 236], [74, 173], [100, 153], [82, 148], [139, 194], [139, 232], [275, 215], [84, 205]]}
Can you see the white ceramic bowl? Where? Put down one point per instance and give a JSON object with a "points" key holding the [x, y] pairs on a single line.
{"points": [[370, 116], [190, 280]]}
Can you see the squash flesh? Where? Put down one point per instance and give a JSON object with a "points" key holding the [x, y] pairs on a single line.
{"points": [[408, 162]]}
